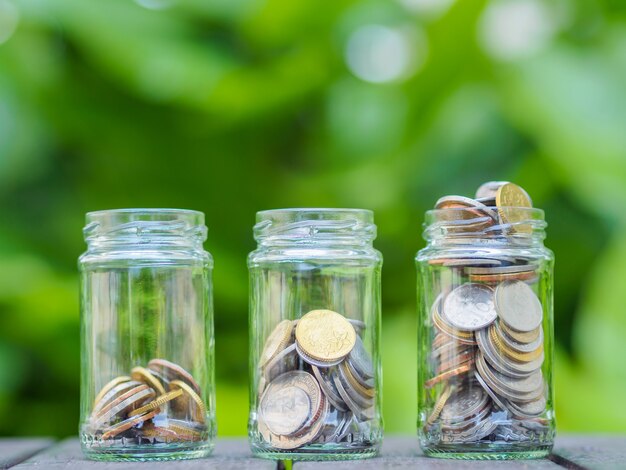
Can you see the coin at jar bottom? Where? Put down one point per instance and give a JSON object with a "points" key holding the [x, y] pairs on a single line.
{"points": [[187, 403], [362, 413], [107, 388], [116, 429], [324, 378], [291, 442]]}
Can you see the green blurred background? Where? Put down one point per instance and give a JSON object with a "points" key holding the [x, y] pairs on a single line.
{"points": [[232, 106]]}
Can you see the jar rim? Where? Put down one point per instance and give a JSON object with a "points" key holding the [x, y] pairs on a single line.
{"points": [[490, 223], [129, 223], [315, 223]]}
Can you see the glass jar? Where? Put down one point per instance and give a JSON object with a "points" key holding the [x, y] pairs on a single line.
{"points": [[315, 368], [147, 336], [485, 340]]}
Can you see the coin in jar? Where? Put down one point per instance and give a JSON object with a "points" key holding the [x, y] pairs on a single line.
{"points": [[325, 335], [470, 307], [173, 371], [518, 306], [189, 402], [277, 341]]}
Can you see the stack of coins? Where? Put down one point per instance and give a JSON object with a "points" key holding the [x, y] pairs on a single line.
{"points": [[159, 403], [316, 382], [486, 350]]}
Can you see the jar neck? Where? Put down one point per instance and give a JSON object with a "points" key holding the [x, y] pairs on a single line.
{"points": [[514, 227], [327, 228], [145, 229]]}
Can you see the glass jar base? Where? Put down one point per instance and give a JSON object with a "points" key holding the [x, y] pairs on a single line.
{"points": [[148, 453], [317, 453], [487, 452]]}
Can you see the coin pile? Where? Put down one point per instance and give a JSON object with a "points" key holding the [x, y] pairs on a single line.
{"points": [[316, 382], [159, 403], [487, 345]]}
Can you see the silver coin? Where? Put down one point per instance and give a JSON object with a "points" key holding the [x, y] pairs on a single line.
{"points": [[360, 413], [478, 375], [360, 361], [470, 307], [324, 378], [282, 362], [361, 400], [502, 386], [489, 189], [488, 201], [290, 403], [465, 206], [530, 409], [464, 403], [358, 325], [503, 364], [518, 306], [501, 269], [120, 410], [466, 262]]}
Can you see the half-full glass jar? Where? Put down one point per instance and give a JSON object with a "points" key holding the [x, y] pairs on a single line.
{"points": [[147, 336], [315, 369], [485, 340]]}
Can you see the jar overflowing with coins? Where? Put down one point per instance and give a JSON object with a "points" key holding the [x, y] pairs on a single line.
{"points": [[147, 336], [315, 369], [485, 340]]}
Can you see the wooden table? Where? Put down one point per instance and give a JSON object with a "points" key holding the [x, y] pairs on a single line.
{"points": [[399, 452]]}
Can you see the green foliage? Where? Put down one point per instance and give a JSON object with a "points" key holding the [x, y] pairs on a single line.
{"points": [[235, 106]]}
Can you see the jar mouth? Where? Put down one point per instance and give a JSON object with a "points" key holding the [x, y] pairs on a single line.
{"points": [[315, 223], [128, 224], [504, 222]]}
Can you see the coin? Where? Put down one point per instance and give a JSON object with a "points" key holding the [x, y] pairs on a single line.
{"points": [[189, 402], [512, 354], [144, 375], [464, 403], [518, 306], [112, 393], [294, 441], [520, 337], [109, 386], [325, 335], [520, 347], [470, 307], [448, 374], [360, 361], [440, 404], [173, 372], [186, 431], [324, 378], [160, 401], [290, 402], [513, 204], [282, 362], [277, 341], [314, 362], [114, 430], [360, 413], [501, 269], [130, 400], [489, 189]]}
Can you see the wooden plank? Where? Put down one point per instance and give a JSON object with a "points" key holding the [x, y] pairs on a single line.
{"points": [[595, 452], [229, 454], [404, 452], [16, 450]]}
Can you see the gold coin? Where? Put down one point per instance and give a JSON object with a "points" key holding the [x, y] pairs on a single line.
{"points": [[109, 386], [185, 433], [443, 398], [163, 399], [451, 373], [325, 335], [182, 403], [114, 430], [518, 356], [511, 201], [144, 375], [278, 340], [172, 371]]}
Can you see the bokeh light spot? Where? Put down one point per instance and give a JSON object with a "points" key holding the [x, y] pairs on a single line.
{"points": [[155, 4], [516, 29], [380, 54], [9, 19]]}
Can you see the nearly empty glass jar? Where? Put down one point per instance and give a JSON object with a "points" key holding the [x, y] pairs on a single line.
{"points": [[315, 368], [485, 340], [147, 336]]}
